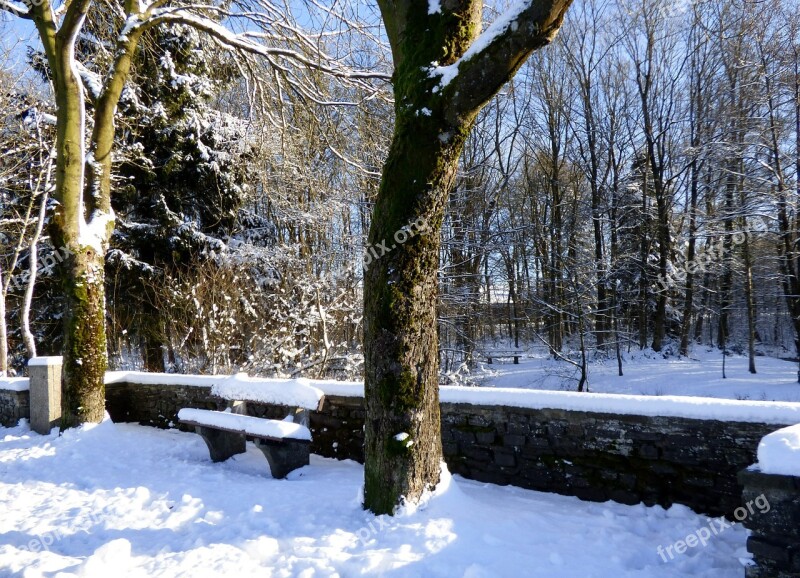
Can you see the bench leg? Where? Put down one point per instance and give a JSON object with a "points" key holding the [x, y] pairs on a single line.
{"points": [[490, 360], [516, 360], [222, 444], [285, 456]]}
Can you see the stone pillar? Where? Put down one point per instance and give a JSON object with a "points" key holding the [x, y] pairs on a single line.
{"points": [[45, 393], [775, 523]]}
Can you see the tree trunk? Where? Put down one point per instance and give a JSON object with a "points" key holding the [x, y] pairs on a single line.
{"points": [[85, 356], [3, 329], [400, 297], [751, 303], [402, 435], [33, 264]]}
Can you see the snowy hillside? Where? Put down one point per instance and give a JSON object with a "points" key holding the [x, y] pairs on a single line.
{"points": [[648, 373]]}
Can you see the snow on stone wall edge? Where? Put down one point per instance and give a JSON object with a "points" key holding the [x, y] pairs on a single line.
{"points": [[14, 384], [299, 392], [779, 452]]}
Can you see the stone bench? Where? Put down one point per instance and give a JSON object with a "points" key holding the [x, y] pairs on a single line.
{"points": [[284, 444], [492, 355]]}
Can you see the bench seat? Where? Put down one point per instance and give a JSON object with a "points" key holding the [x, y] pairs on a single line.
{"points": [[504, 354], [284, 444]]}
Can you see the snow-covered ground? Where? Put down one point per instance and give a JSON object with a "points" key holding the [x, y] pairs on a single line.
{"points": [[119, 500], [648, 373]]}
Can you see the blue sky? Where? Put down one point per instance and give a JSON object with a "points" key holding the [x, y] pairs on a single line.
{"points": [[16, 33]]}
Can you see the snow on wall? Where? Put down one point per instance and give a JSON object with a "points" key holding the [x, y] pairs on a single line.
{"points": [[306, 393], [14, 384], [776, 412], [779, 452], [289, 392]]}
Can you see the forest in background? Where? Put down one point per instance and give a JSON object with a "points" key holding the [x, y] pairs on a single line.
{"points": [[635, 186]]}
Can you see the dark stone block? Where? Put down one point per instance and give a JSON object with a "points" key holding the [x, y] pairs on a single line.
{"points": [[623, 497], [502, 458], [648, 452], [662, 469], [763, 548], [591, 494], [464, 438], [476, 453], [450, 449], [485, 438], [521, 429], [514, 440], [498, 478]]}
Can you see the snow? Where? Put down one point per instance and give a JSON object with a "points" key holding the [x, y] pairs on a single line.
{"points": [[695, 389], [289, 392], [504, 22], [128, 500], [653, 374], [45, 360], [434, 7], [14, 384], [668, 406], [779, 452], [253, 426], [94, 233], [301, 392]]}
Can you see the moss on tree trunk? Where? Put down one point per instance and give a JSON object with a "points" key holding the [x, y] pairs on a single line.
{"points": [[403, 449], [400, 288], [85, 357]]}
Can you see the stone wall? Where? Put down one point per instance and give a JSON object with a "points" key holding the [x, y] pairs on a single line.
{"points": [[156, 405], [594, 456], [775, 541], [13, 407]]}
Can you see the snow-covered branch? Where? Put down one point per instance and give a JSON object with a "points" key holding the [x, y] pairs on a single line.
{"points": [[15, 8], [494, 57], [253, 43]]}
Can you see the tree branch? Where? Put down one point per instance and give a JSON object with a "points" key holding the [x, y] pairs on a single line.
{"points": [[73, 20], [245, 43], [16, 9], [496, 55]]}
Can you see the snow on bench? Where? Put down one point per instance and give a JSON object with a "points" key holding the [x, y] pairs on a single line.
{"points": [[503, 354], [779, 452], [252, 426], [283, 443]]}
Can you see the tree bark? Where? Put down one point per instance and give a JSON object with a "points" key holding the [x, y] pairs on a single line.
{"points": [[402, 447], [83, 219]]}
